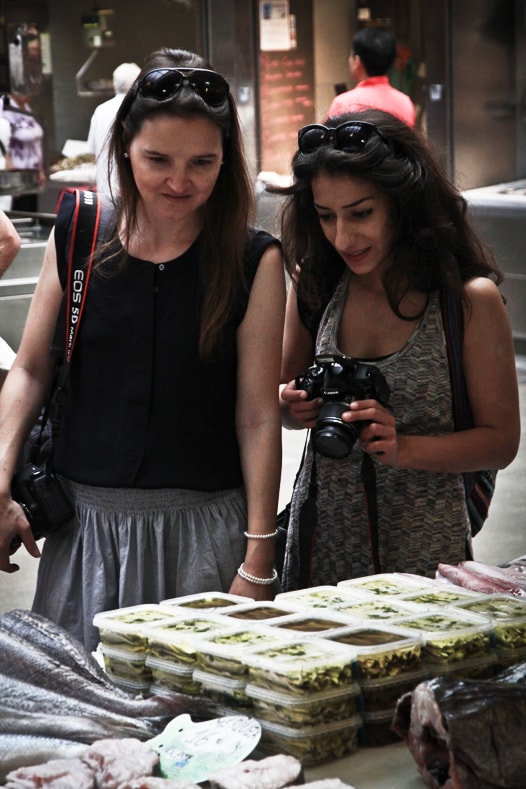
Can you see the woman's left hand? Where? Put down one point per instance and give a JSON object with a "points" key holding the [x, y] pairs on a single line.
{"points": [[378, 437]]}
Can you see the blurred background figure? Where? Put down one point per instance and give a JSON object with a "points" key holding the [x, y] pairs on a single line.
{"points": [[373, 53], [101, 122], [26, 148]]}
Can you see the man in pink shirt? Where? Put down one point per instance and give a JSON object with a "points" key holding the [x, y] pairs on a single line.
{"points": [[372, 55]]}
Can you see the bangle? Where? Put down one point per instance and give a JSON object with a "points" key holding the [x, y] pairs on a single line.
{"points": [[250, 536], [253, 579]]}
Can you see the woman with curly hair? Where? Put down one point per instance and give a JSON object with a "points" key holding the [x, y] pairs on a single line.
{"points": [[373, 235]]}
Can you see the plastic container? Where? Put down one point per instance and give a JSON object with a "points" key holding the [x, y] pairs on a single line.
{"points": [[378, 609], [264, 612], [311, 744], [173, 676], [223, 652], [175, 639], [309, 709], [382, 694], [313, 623], [136, 688], [382, 652], [223, 690], [451, 635], [440, 595], [123, 628], [302, 666], [387, 583], [483, 667], [508, 615], [205, 601], [318, 597], [376, 730], [126, 665]]}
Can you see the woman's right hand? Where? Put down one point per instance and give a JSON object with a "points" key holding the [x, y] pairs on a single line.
{"points": [[13, 523], [295, 402]]}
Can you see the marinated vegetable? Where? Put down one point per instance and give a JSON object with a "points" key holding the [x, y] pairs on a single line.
{"points": [[310, 709], [311, 744], [301, 667], [448, 639], [381, 654]]}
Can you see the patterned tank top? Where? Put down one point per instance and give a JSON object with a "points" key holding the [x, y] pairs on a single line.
{"points": [[422, 516]]}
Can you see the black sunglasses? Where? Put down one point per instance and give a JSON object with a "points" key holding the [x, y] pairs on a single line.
{"points": [[350, 137], [162, 84]]}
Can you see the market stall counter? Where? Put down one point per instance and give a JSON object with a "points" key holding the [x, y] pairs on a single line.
{"points": [[388, 767]]}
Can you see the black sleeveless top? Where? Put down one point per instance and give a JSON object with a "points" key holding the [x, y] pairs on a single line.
{"points": [[142, 409]]}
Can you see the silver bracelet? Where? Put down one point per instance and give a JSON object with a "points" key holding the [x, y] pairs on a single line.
{"points": [[253, 579], [250, 536]]}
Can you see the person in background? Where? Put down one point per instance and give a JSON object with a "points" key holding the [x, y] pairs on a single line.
{"points": [[373, 53], [26, 145], [372, 231], [100, 126], [170, 439]]}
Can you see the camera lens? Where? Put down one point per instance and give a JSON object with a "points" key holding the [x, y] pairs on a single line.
{"points": [[332, 437]]}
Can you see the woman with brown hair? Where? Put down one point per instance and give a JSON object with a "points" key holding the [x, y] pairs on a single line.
{"points": [[170, 438]]}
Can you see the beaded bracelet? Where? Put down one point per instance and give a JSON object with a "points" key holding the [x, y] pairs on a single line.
{"points": [[261, 536], [253, 579]]}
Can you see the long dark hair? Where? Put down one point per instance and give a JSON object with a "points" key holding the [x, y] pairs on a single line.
{"points": [[229, 209], [434, 244]]}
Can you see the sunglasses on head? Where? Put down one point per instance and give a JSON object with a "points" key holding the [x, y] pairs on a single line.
{"points": [[162, 84], [350, 137]]}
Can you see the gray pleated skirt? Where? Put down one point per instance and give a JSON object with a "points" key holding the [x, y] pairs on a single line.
{"points": [[128, 547]]}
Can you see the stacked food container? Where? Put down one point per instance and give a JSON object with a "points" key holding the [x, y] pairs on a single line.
{"points": [[508, 616], [322, 668], [124, 646], [305, 698]]}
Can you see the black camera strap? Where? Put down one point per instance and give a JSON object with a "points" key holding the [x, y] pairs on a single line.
{"points": [[368, 477]]}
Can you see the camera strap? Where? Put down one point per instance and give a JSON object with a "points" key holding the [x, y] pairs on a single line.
{"points": [[368, 477], [82, 244]]}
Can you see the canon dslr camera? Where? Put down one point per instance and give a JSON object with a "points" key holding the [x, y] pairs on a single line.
{"points": [[340, 380], [42, 499]]}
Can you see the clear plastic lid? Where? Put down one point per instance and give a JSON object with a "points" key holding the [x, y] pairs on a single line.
{"points": [[175, 639], [282, 698], [254, 611], [219, 683], [319, 597], [310, 622], [381, 608], [496, 606], [387, 583], [441, 594], [170, 666], [124, 627], [205, 601], [224, 651]]}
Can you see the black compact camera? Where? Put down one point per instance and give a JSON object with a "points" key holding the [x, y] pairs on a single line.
{"points": [[42, 499], [339, 380]]}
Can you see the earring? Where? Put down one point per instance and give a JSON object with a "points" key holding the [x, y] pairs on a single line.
{"points": [[126, 155]]}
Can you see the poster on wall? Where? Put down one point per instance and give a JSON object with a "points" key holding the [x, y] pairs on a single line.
{"points": [[274, 25], [286, 92]]}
